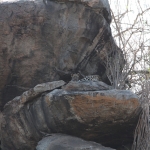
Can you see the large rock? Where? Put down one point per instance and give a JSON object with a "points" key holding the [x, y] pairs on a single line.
{"points": [[97, 5], [33, 93], [65, 142], [86, 86], [48, 40], [108, 117]]}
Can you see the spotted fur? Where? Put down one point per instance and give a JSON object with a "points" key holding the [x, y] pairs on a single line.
{"points": [[91, 78], [75, 77]]}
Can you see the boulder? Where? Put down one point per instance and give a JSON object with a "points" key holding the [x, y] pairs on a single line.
{"points": [[48, 40], [33, 93], [86, 86], [44, 42], [97, 5], [65, 142], [108, 117]]}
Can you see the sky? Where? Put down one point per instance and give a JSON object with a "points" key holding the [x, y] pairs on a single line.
{"points": [[140, 34], [121, 6]]}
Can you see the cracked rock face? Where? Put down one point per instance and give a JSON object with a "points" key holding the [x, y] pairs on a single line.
{"points": [[42, 41], [108, 117]]}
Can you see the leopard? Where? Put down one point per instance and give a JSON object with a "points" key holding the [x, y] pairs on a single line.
{"points": [[76, 76], [90, 78]]}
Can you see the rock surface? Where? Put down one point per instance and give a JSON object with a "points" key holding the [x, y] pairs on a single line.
{"points": [[108, 117], [33, 93], [43, 41], [65, 142], [46, 41], [86, 86], [97, 5]]}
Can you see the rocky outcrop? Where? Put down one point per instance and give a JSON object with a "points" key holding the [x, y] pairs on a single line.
{"points": [[43, 41], [65, 142], [90, 115], [86, 86]]}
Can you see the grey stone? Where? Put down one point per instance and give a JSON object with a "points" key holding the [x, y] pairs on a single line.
{"points": [[33, 93], [65, 142], [86, 86]]}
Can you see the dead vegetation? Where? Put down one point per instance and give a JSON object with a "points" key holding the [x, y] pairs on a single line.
{"points": [[131, 30]]}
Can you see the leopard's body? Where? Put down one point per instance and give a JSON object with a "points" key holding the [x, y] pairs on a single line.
{"points": [[75, 77], [91, 78]]}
